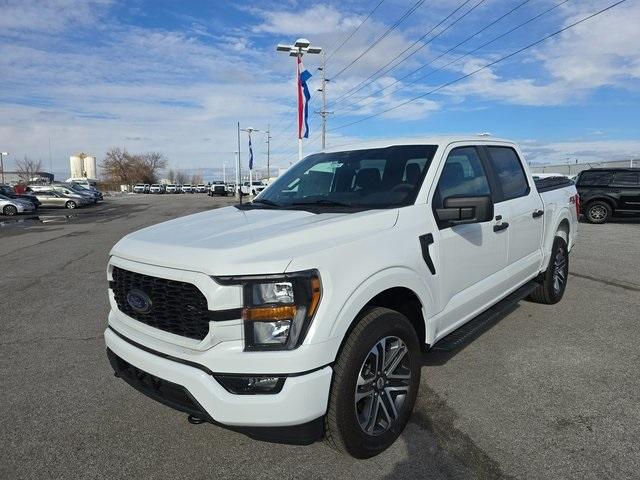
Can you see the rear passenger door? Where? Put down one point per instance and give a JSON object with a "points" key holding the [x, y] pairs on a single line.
{"points": [[627, 185], [523, 209]]}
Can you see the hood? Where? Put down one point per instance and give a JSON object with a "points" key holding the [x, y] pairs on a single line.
{"points": [[229, 241]]}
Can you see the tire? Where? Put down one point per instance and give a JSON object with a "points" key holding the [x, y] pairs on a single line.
{"points": [[10, 210], [70, 205], [349, 426], [598, 212], [554, 279]]}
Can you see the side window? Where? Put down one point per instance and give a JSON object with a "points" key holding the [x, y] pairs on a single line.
{"points": [[595, 178], [510, 173], [625, 179], [462, 176]]}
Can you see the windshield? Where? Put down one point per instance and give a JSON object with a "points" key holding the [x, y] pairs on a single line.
{"points": [[374, 178]]}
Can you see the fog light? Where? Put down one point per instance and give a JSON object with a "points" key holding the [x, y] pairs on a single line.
{"points": [[251, 385]]}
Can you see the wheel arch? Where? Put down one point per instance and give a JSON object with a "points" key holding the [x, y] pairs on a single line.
{"points": [[601, 198], [399, 289]]}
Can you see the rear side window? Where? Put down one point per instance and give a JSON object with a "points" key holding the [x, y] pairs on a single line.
{"points": [[509, 171], [601, 179], [625, 179]]}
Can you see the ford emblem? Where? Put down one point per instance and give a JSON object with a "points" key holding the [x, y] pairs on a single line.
{"points": [[139, 301]]}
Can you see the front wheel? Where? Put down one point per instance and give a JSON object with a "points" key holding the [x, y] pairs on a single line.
{"points": [[10, 210], [554, 281], [375, 383], [71, 204]]}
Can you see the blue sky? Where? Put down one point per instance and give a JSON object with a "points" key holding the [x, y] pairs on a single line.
{"points": [[176, 76]]}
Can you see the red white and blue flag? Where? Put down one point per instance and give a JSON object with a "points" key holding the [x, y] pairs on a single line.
{"points": [[303, 100]]}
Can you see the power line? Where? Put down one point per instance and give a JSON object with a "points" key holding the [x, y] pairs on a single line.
{"points": [[381, 37], [463, 77], [360, 85], [333, 51], [455, 60]]}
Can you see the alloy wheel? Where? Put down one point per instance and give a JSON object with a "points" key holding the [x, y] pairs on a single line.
{"points": [[383, 385], [559, 271], [597, 212]]}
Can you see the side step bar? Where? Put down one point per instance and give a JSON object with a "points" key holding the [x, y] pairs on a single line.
{"points": [[475, 327]]}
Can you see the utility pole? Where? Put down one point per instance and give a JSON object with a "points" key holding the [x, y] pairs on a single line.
{"points": [[268, 150], [323, 113]]}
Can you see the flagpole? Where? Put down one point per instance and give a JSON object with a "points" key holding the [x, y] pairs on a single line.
{"points": [[298, 60]]}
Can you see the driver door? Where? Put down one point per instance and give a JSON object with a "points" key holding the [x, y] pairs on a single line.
{"points": [[472, 255]]}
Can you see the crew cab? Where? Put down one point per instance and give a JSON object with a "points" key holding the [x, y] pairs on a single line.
{"points": [[304, 313], [252, 188], [606, 192]]}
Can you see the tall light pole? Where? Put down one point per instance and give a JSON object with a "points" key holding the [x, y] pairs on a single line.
{"points": [[297, 50], [2, 155], [249, 131]]}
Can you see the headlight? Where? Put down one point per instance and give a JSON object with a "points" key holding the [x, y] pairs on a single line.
{"points": [[278, 309]]}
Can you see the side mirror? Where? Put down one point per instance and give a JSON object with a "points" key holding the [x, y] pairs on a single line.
{"points": [[460, 210]]}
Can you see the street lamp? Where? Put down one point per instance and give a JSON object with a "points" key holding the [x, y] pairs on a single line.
{"points": [[297, 50], [2, 155]]}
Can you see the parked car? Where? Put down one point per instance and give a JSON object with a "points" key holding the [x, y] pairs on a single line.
{"points": [[304, 312], [156, 188], [187, 188], [606, 192], [254, 188], [10, 192], [67, 191], [220, 188], [87, 187], [171, 188], [139, 188], [51, 198], [13, 206]]}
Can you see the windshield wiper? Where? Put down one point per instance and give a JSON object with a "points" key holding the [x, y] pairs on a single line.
{"points": [[264, 201], [323, 202]]}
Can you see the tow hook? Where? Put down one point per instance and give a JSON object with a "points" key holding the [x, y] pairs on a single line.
{"points": [[193, 420]]}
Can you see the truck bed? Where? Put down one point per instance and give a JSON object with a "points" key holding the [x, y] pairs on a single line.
{"points": [[552, 183]]}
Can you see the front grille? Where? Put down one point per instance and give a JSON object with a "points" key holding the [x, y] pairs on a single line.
{"points": [[176, 307]]}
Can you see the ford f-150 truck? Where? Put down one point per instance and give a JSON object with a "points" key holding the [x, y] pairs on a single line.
{"points": [[305, 313]]}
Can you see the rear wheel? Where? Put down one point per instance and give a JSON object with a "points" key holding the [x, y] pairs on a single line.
{"points": [[554, 280], [598, 212], [70, 204], [10, 210], [375, 383]]}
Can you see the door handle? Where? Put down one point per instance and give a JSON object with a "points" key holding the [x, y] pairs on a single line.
{"points": [[500, 226], [425, 241], [537, 213]]}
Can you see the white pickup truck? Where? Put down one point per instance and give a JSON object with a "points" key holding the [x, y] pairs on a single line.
{"points": [[306, 312]]}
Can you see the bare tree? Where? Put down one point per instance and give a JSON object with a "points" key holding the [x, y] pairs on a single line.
{"points": [[196, 179], [122, 167], [181, 177], [28, 169]]}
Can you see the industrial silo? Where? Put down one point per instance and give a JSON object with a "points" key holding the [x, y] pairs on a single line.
{"points": [[90, 170], [77, 166]]}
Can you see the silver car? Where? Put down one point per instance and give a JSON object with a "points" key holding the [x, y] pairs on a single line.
{"points": [[51, 198], [13, 206]]}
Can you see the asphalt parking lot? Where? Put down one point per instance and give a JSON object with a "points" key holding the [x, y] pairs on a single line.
{"points": [[547, 392]]}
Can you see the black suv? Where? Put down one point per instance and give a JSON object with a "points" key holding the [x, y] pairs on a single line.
{"points": [[607, 191]]}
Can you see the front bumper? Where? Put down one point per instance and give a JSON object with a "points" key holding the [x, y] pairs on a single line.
{"points": [[302, 401]]}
